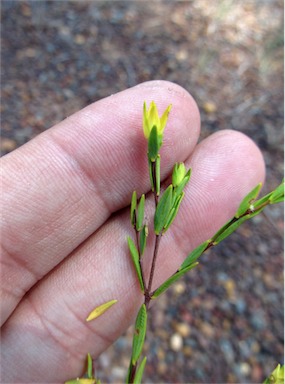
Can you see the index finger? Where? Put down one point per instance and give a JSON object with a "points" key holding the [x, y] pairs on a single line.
{"points": [[63, 185]]}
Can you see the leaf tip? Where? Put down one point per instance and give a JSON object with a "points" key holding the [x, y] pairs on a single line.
{"points": [[98, 311]]}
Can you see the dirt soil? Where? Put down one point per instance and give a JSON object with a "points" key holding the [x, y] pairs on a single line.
{"points": [[223, 323]]}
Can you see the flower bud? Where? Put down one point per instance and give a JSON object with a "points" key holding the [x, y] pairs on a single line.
{"points": [[178, 174]]}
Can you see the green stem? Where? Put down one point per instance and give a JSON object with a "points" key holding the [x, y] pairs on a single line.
{"points": [[153, 173]]}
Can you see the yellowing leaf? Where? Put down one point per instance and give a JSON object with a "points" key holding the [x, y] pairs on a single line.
{"points": [[81, 381], [98, 311]]}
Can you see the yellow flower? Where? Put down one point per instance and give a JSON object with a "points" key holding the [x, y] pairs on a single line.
{"points": [[151, 119]]}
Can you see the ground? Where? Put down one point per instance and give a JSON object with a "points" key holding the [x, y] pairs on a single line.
{"points": [[224, 322]]}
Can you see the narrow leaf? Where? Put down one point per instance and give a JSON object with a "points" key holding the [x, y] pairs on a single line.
{"points": [[249, 198], [157, 174], [231, 228], [222, 229], [135, 258], [162, 210], [98, 311], [153, 144], [278, 194], [139, 373], [143, 236], [139, 334], [278, 200], [194, 255], [150, 174], [128, 376], [133, 208], [89, 366], [262, 201], [173, 211], [171, 280], [183, 183], [140, 213]]}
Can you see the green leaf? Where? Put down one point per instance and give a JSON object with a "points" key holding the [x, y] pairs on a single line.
{"points": [[157, 174], [140, 213], [278, 194], [143, 236], [173, 212], [263, 200], [133, 208], [153, 144], [171, 280], [222, 229], [150, 174], [246, 202], [277, 376], [139, 373], [89, 366], [231, 229], [162, 210], [194, 255], [135, 258], [183, 183], [278, 200], [139, 334]]}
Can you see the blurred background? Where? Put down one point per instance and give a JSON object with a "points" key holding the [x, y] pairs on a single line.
{"points": [[223, 323]]}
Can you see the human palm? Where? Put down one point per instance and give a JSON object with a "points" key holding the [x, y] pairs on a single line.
{"points": [[65, 219]]}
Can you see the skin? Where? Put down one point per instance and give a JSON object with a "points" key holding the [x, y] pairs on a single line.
{"points": [[65, 219]]}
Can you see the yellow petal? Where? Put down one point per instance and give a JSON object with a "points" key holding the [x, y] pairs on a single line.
{"points": [[146, 129], [153, 117], [163, 119], [98, 311]]}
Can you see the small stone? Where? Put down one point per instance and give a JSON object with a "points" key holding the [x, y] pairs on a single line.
{"points": [[176, 342], [183, 329], [230, 287], [179, 288], [162, 367], [187, 351], [207, 329], [160, 354], [209, 107], [7, 145], [118, 372], [244, 369], [79, 39]]}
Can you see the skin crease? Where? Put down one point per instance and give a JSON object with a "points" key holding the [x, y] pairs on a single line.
{"points": [[65, 220]]}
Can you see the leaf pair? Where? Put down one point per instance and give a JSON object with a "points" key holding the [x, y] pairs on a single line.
{"points": [[168, 207], [138, 343], [137, 219], [137, 211], [136, 261]]}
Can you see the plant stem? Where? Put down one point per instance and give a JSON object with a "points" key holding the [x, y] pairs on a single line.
{"points": [[147, 292], [155, 253], [157, 240]]}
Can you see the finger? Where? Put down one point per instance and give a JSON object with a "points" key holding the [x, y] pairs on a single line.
{"points": [[225, 167], [60, 187]]}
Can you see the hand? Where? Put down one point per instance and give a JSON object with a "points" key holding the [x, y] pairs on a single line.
{"points": [[66, 218]]}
